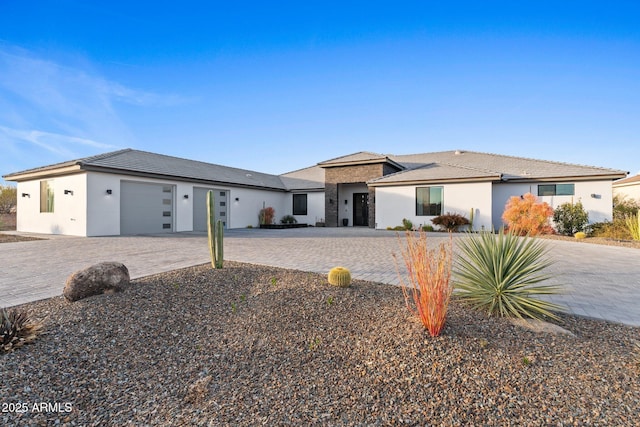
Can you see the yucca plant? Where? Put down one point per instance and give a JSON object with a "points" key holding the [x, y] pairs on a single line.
{"points": [[429, 289], [16, 329], [501, 274]]}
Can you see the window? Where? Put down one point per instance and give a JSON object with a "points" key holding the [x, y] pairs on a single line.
{"points": [[429, 201], [46, 196], [556, 190], [299, 204]]}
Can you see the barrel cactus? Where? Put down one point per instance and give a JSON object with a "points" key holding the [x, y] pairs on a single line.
{"points": [[340, 276]]}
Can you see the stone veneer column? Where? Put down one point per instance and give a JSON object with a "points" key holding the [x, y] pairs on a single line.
{"points": [[331, 209]]}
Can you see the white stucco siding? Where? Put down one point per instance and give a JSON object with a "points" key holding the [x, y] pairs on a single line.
{"points": [[103, 209], [69, 214], [596, 197], [315, 207], [245, 210], [395, 203]]}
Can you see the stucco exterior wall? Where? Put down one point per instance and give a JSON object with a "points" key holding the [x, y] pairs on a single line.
{"points": [[69, 214], [395, 203], [315, 207], [596, 197]]}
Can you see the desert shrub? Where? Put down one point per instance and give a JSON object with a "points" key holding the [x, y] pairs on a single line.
{"points": [[616, 229], [427, 228], [580, 235], [8, 198], [267, 215], [570, 218], [623, 207], [450, 221], [429, 289], [633, 225], [16, 329], [288, 219], [525, 215], [501, 275], [407, 224]]}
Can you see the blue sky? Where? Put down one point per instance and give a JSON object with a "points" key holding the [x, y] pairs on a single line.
{"points": [[278, 86]]}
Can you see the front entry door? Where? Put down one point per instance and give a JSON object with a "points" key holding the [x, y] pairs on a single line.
{"points": [[361, 209]]}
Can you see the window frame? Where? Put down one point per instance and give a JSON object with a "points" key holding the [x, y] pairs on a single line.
{"points": [[563, 192], [47, 196], [300, 210], [437, 207]]}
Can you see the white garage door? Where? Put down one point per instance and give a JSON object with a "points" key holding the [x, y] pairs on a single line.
{"points": [[200, 207], [146, 208]]}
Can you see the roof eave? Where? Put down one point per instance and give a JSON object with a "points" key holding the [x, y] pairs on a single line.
{"points": [[44, 173], [434, 181]]}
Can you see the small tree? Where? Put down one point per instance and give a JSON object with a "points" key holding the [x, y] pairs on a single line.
{"points": [[266, 215], [8, 198], [570, 218], [525, 215]]}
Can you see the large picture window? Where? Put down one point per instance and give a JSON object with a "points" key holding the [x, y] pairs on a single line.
{"points": [[299, 204], [46, 196], [556, 190], [429, 201]]}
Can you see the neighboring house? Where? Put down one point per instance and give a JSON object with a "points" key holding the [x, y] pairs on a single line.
{"points": [[628, 187], [137, 192]]}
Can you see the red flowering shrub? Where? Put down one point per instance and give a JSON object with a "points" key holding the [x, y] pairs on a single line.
{"points": [[526, 215]]}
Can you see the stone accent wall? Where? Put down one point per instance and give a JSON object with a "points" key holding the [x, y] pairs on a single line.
{"points": [[349, 175]]}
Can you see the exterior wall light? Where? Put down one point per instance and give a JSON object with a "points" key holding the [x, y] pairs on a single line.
{"points": [[68, 192], [26, 195], [186, 196], [237, 199], [109, 191]]}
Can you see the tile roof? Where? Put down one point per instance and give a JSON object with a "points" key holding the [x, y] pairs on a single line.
{"points": [[627, 181], [137, 162], [434, 172], [510, 167]]}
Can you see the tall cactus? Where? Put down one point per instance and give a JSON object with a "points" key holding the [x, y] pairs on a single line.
{"points": [[215, 232]]}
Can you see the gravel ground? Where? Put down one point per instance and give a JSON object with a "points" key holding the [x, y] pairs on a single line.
{"points": [[254, 345]]}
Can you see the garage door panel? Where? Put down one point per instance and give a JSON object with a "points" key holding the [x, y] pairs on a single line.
{"points": [[200, 217], [146, 208]]}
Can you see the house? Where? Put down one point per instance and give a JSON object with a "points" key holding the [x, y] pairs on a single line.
{"points": [[629, 188], [137, 192]]}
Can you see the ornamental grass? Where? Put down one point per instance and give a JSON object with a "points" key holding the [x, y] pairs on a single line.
{"points": [[429, 286]]}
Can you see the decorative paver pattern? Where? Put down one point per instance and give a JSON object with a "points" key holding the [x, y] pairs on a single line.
{"points": [[601, 281]]}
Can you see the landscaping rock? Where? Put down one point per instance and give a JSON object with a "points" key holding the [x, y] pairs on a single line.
{"points": [[100, 278]]}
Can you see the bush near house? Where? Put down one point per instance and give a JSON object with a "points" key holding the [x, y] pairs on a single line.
{"points": [[288, 219], [8, 198], [623, 208], [266, 215], [525, 215], [450, 221], [570, 218]]}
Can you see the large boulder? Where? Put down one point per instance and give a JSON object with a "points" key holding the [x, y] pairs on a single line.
{"points": [[100, 278]]}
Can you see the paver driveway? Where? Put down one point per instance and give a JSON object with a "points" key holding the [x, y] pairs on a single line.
{"points": [[601, 281]]}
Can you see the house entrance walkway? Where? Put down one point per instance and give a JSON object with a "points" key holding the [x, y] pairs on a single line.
{"points": [[601, 281]]}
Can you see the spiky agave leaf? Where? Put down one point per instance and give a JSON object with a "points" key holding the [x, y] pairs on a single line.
{"points": [[502, 274], [16, 329]]}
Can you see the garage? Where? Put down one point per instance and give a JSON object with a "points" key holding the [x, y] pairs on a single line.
{"points": [[146, 208], [200, 207]]}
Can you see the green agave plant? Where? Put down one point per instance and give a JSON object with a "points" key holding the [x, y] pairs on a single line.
{"points": [[501, 274]]}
